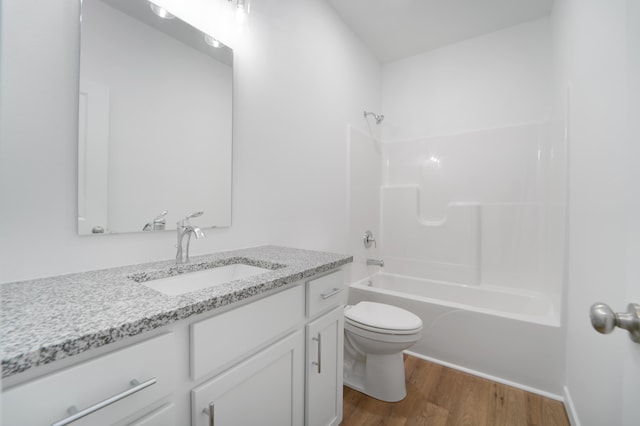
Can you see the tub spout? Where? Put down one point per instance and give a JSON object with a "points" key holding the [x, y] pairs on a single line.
{"points": [[377, 262]]}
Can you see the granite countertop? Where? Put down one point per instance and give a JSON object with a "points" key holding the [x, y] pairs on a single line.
{"points": [[48, 319]]}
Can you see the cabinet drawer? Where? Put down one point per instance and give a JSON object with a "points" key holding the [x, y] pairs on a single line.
{"points": [[221, 340], [47, 399], [326, 292]]}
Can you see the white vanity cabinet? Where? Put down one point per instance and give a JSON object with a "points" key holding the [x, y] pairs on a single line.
{"points": [[275, 360], [296, 380], [46, 400], [326, 296]]}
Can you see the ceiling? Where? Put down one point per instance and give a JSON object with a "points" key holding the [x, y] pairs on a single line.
{"points": [[396, 29]]}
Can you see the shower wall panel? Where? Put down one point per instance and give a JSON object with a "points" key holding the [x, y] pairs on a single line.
{"points": [[483, 208]]}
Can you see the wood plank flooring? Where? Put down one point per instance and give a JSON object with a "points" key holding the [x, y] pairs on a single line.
{"points": [[438, 395]]}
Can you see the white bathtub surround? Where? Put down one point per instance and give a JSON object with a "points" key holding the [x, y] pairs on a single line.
{"points": [[504, 335], [468, 126], [483, 207], [448, 248], [472, 235]]}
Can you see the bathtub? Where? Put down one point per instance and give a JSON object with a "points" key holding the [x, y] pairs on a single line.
{"points": [[507, 336]]}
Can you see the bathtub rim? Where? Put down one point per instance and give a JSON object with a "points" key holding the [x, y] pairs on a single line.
{"points": [[552, 321]]}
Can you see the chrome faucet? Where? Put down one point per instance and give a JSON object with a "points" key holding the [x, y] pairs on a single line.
{"points": [[158, 223], [377, 262], [185, 228]]}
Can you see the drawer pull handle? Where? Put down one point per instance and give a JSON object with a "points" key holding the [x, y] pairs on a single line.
{"points": [[319, 363], [210, 412], [331, 293], [76, 415]]}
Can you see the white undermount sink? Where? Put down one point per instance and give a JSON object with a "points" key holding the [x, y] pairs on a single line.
{"points": [[204, 278]]}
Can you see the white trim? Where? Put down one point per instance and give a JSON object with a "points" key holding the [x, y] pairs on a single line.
{"points": [[490, 377], [570, 408]]}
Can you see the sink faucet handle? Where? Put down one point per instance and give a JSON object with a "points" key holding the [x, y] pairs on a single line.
{"points": [[186, 222], [158, 223], [161, 217]]}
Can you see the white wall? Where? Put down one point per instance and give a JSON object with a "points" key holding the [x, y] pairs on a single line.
{"points": [[496, 80], [598, 52], [300, 76]]}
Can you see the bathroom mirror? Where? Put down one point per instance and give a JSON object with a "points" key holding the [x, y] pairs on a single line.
{"points": [[155, 120]]}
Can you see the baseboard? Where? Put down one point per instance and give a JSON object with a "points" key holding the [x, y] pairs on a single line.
{"points": [[570, 408], [493, 378]]}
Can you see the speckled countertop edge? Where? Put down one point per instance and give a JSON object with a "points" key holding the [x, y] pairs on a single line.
{"points": [[48, 319]]}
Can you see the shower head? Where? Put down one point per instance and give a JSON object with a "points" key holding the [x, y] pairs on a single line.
{"points": [[378, 117]]}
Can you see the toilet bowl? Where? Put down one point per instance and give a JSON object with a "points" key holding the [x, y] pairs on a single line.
{"points": [[375, 334]]}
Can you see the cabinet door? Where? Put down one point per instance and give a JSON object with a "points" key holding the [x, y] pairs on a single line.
{"points": [[266, 389], [163, 416], [324, 369]]}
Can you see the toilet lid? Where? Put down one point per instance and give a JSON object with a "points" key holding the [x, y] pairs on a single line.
{"points": [[383, 317]]}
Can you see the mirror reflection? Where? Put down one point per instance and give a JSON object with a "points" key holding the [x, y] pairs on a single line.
{"points": [[155, 121]]}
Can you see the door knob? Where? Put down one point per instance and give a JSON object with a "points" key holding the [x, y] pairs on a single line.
{"points": [[604, 320]]}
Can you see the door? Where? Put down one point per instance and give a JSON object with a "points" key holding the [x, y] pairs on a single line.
{"points": [[324, 369], [267, 389], [603, 53], [93, 158]]}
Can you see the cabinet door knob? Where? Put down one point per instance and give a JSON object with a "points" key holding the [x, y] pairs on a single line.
{"points": [[604, 320]]}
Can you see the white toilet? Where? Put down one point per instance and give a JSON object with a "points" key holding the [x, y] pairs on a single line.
{"points": [[375, 334]]}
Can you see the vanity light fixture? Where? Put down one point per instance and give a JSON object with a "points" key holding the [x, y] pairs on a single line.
{"points": [[160, 11], [214, 42]]}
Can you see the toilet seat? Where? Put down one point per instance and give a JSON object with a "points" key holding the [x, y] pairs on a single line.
{"points": [[382, 318]]}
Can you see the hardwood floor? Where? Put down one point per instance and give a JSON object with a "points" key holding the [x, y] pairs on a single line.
{"points": [[438, 395]]}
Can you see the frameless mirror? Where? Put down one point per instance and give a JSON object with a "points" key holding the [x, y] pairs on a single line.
{"points": [[155, 120]]}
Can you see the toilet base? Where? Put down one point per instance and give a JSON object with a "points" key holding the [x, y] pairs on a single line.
{"points": [[379, 376]]}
